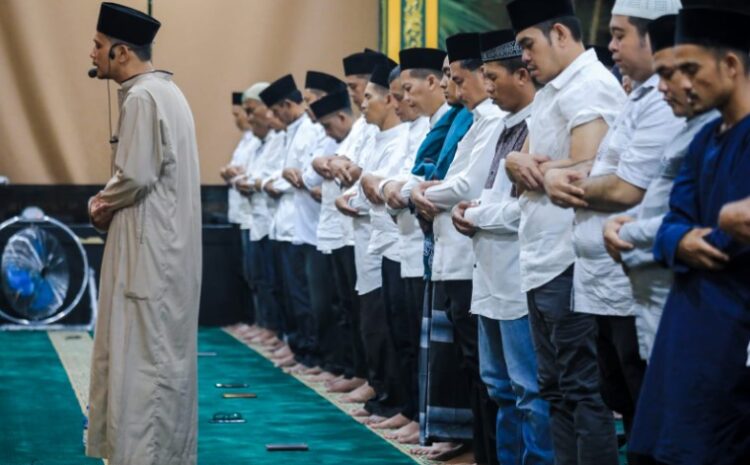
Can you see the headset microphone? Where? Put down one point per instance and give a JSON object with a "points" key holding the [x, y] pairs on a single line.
{"points": [[92, 72]]}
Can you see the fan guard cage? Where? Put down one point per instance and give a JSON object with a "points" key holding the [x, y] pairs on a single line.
{"points": [[40, 221]]}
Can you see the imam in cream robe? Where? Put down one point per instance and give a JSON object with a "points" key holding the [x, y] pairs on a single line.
{"points": [[143, 375]]}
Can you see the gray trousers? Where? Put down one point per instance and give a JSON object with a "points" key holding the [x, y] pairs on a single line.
{"points": [[582, 427]]}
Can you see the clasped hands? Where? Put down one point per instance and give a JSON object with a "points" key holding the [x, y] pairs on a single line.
{"points": [[531, 172], [100, 212]]}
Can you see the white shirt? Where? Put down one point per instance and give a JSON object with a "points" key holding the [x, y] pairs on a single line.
{"points": [[632, 150], [334, 229], [367, 254], [302, 137], [410, 236], [453, 258], [361, 137], [583, 92], [244, 208], [239, 158], [496, 282], [274, 164], [390, 154], [263, 207]]}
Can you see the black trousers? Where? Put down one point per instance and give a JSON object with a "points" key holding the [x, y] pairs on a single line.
{"points": [[380, 356], [267, 308], [466, 333], [245, 267], [281, 302], [582, 427], [352, 356], [621, 367], [319, 270], [303, 337], [414, 289]]}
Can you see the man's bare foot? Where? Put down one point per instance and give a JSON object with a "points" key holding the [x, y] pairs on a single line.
{"points": [[320, 377], [371, 420], [396, 421], [359, 412], [330, 382], [282, 352], [285, 362], [347, 385], [360, 395], [441, 451], [296, 369], [312, 371], [407, 434]]}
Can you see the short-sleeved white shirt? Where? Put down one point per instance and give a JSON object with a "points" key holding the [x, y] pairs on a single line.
{"points": [[583, 92]]}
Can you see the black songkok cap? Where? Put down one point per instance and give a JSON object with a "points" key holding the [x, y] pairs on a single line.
{"points": [[381, 73], [499, 45], [526, 13], [126, 24], [661, 32], [362, 62], [237, 98], [713, 27], [421, 58], [323, 81], [280, 89], [463, 46], [331, 103]]}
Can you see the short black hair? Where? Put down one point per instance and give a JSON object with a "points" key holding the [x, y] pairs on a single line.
{"points": [[472, 64], [641, 25], [720, 52], [143, 52], [423, 73], [512, 64], [570, 22]]}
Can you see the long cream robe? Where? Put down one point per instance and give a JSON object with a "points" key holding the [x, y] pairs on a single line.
{"points": [[143, 397]]}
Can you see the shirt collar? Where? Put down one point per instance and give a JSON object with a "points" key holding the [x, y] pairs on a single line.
{"points": [[391, 133], [644, 88], [483, 109], [584, 59], [516, 118], [126, 85], [439, 114]]}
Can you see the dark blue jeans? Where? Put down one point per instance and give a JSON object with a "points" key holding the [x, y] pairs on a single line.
{"points": [[507, 364]]}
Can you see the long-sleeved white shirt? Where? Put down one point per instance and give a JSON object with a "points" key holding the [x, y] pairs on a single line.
{"points": [[263, 207], [368, 254], [453, 257], [496, 289], [294, 209], [238, 208], [583, 92]]}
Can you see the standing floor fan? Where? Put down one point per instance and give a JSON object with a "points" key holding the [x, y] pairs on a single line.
{"points": [[44, 274]]}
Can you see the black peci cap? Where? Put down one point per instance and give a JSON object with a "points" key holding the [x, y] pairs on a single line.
{"points": [[463, 46], [280, 89], [421, 58], [499, 45], [526, 13], [661, 31], [713, 27], [323, 81], [126, 24], [331, 103]]}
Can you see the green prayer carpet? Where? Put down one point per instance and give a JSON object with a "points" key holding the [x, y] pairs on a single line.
{"points": [[41, 422]]}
